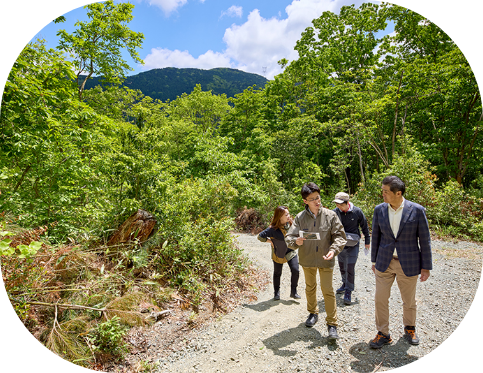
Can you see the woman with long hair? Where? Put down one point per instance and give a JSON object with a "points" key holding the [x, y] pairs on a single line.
{"points": [[275, 234]]}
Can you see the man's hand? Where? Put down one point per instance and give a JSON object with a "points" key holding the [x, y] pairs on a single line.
{"points": [[329, 255], [424, 275], [269, 240], [300, 241], [374, 268]]}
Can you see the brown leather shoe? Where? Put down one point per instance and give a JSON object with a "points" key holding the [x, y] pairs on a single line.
{"points": [[410, 335]]}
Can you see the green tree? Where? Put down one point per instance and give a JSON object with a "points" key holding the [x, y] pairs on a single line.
{"points": [[96, 45], [439, 94], [330, 82], [49, 140], [202, 108], [243, 118], [338, 48]]}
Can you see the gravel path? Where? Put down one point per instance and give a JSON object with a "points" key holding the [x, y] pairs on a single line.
{"points": [[270, 336]]}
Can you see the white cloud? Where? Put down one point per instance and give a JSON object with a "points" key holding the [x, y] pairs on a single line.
{"points": [[261, 42], [160, 57], [256, 45], [168, 6], [233, 11]]}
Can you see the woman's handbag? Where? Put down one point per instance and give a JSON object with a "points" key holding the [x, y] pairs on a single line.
{"points": [[280, 247]]}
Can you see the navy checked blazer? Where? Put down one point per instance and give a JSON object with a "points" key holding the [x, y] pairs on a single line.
{"points": [[412, 255]]}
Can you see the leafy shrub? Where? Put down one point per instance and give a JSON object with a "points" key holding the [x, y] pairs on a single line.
{"points": [[107, 337], [413, 169], [193, 244], [449, 210], [456, 213]]}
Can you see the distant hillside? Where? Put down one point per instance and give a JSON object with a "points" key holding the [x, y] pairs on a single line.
{"points": [[170, 82]]}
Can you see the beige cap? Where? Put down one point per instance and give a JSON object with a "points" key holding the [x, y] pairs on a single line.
{"points": [[341, 197]]}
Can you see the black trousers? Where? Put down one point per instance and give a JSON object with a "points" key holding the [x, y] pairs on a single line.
{"points": [[347, 263], [294, 278]]}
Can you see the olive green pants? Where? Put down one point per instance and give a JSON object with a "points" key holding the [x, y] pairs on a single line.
{"points": [[325, 275]]}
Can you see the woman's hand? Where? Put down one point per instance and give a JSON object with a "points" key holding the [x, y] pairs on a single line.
{"points": [[329, 255]]}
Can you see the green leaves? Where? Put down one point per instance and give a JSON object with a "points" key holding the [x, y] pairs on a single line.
{"points": [[341, 47], [30, 250], [108, 337], [5, 248], [96, 45], [26, 251]]}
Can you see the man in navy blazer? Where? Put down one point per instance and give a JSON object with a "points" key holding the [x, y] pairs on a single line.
{"points": [[401, 250]]}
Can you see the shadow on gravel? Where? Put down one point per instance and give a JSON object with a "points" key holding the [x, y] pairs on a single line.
{"points": [[390, 356], [280, 343], [266, 305]]}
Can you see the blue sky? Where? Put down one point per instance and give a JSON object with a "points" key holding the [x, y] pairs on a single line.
{"points": [[249, 35]]}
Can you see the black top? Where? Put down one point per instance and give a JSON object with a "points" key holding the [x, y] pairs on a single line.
{"points": [[278, 240], [352, 220]]}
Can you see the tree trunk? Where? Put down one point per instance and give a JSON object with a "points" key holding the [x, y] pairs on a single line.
{"points": [[395, 117], [22, 178], [363, 179]]}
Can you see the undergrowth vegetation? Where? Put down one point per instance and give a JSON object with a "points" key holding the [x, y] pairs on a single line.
{"points": [[79, 300]]}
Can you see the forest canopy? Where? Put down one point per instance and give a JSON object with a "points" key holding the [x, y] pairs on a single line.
{"points": [[355, 103]]}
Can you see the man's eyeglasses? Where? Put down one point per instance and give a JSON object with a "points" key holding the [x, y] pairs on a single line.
{"points": [[314, 199]]}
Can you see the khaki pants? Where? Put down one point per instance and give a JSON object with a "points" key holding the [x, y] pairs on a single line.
{"points": [[407, 288], [325, 275]]}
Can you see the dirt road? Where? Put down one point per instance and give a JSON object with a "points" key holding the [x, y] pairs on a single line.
{"points": [[270, 336]]}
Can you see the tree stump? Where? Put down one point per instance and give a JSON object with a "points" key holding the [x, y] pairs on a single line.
{"points": [[138, 226]]}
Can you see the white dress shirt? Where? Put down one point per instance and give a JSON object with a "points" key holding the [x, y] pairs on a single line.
{"points": [[395, 218]]}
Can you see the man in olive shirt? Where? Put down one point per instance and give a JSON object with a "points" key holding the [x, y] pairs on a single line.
{"points": [[317, 255]]}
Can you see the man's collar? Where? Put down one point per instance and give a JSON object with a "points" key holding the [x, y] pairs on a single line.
{"points": [[310, 211]]}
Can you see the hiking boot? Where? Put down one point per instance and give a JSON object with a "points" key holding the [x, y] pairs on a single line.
{"points": [[347, 297], [311, 320], [341, 289], [295, 295], [277, 295], [410, 335], [380, 340], [332, 332]]}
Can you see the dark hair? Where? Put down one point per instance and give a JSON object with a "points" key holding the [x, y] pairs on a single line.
{"points": [[309, 188], [277, 215], [395, 184]]}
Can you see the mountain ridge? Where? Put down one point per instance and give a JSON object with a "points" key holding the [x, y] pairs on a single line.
{"points": [[170, 82]]}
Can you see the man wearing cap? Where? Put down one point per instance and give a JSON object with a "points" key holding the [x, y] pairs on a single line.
{"points": [[351, 218]]}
